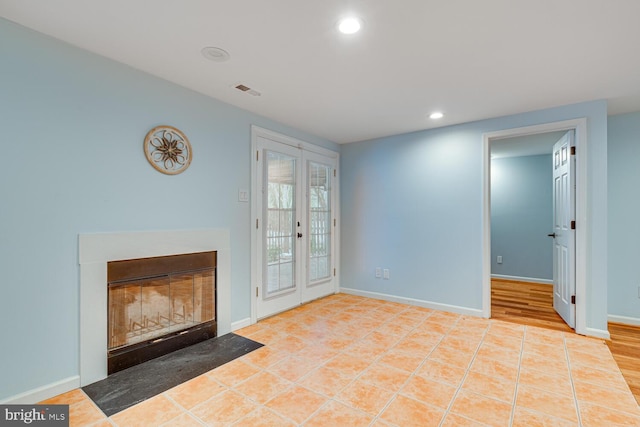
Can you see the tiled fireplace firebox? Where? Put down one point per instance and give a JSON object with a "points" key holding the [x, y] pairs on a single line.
{"points": [[97, 250]]}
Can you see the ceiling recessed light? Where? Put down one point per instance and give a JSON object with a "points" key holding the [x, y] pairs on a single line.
{"points": [[215, 54], [436, 115], [349, 25]]}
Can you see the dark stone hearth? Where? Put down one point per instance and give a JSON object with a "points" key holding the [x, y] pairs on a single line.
{"points": [[133, 385]]}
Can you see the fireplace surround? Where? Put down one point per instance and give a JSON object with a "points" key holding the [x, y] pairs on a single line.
{"points": [[97, 249]]}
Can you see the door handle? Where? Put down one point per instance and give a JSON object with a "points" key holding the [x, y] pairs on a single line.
{"points": [[552, 235], [299, 235]]}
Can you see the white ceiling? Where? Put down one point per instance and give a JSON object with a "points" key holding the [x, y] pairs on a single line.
{"points": [[471, 59]]}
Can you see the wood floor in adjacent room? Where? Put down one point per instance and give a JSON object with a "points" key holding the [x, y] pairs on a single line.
{"points": [[532, 304]]}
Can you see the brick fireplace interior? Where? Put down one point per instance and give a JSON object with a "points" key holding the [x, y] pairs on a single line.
{"points": [[158, 305]]}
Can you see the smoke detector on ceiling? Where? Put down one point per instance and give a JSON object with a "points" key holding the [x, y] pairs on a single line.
{"points": [[247, 89], [215, 54]]}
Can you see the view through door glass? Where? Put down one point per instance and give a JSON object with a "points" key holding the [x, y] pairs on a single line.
{"points": [[280, 237], [320, 229]]}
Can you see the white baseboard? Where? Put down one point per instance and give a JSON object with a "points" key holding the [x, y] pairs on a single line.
{"points": [[45, 392], [522, 279], [411, 301], [597, 333], [634, 321], [240, 324]]}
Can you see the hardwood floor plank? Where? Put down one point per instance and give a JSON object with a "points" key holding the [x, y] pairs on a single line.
{"points": [[625, 347], [532, 304], [525, 303]]}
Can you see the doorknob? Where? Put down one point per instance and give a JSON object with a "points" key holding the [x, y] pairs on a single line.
{"points": [[299, 235], [552, 235]]}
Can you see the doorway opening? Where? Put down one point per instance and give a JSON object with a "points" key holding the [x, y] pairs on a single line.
{"points": [[499, 143], [522, 242]]}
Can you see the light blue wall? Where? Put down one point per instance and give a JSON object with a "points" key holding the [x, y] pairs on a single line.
{"points": [[413, 203], [624, 215], [72, 131], [522, 216], [73, 125]]}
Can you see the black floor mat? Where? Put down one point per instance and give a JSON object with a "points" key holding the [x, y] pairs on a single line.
{"points": [[133, 385]]}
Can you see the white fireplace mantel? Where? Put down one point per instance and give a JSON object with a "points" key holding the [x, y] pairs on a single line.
{"points": [[95, 250]]}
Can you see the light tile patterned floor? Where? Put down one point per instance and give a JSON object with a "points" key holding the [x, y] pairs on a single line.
{"points": [[352, 361]]}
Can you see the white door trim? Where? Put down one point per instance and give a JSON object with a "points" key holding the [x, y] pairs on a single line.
{"points": [[257, 131], [580, 127], [256, 272]]}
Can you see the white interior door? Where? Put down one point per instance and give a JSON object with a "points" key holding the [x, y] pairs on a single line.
{"points": [[295, 226], [564, 276]]}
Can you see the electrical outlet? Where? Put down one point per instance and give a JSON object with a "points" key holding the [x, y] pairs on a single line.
{"points": [[499, 259], [378, 272], [385, 274]]}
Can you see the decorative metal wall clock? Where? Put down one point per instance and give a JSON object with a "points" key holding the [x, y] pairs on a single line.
{"points": [[167, 149]]}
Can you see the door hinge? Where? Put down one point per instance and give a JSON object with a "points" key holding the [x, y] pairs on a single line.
{"points": [[334, 222], [573, 299], [573, 225], [334, 272], [573, 151], [257, 154], [334, 173], [256, 223], [256, 291]]}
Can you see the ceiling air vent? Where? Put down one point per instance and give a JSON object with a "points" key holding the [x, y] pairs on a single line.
{"points": [[247, 89]]}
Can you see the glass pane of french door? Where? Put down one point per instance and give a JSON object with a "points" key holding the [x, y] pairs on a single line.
{"points": [[320, 229], [280, 212]]}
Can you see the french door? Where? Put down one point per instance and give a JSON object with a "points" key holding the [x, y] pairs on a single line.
{"points": [[295, 225]]}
